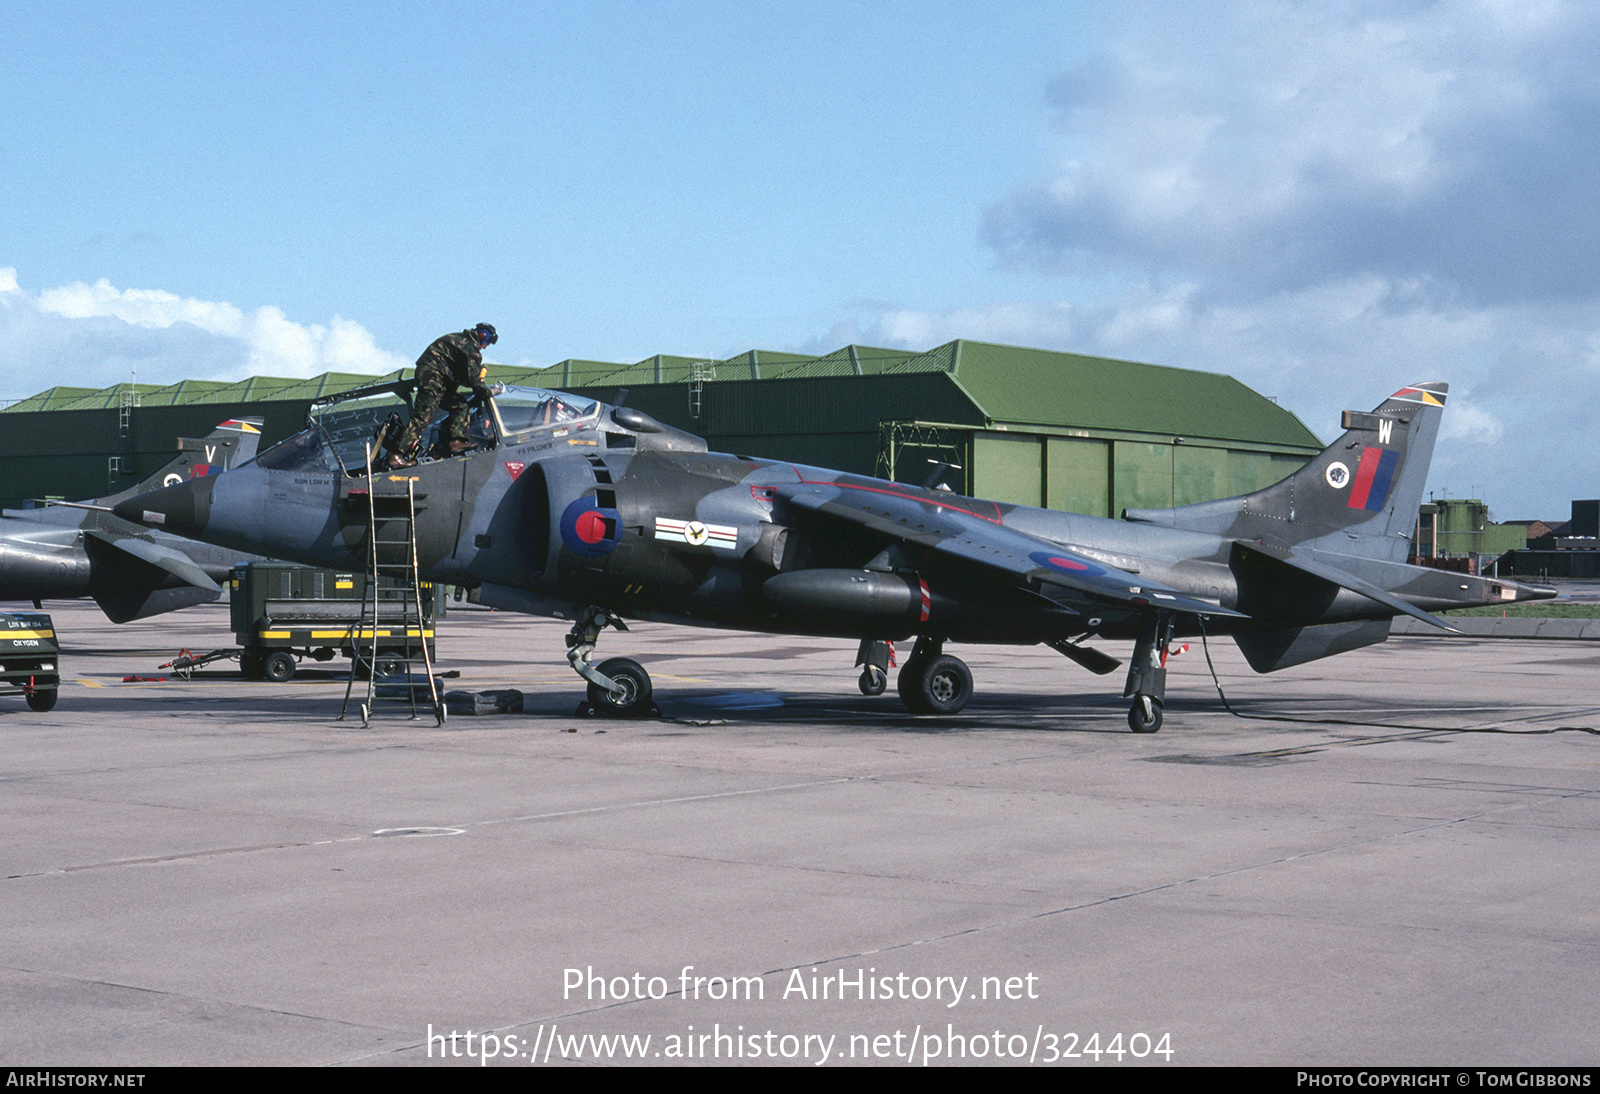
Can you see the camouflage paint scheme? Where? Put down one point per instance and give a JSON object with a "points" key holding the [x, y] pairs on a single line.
{"points": [[65, 552], [449, 362], [610, 514]]}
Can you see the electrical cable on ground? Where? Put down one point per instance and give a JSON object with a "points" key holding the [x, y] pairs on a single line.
{"points": [[1206, 646]]}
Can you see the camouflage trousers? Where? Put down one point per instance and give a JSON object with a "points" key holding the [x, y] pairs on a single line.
{"points": [[436, 390]]}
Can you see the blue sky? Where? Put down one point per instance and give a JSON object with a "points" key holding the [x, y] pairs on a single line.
{"points": [[1326, 200]]}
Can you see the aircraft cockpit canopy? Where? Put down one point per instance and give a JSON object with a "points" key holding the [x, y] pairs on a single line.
{"points": [[524, 409], [342, 426]]}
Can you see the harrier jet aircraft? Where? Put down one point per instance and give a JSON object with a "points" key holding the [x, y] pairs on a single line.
{"points": [[80, 549], [598, 513]]}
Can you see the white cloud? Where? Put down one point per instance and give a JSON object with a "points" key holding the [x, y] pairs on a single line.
{"points": [[97, 335], [1261, 145], [1471, 424], [1328, 202], [150, 308]]}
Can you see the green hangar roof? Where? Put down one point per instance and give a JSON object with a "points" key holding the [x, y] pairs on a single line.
{"points": [[1084, 434], [1040, 387], [53, 398], [1007, 384]]}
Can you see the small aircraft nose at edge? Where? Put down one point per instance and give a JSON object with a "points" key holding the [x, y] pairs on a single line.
{"points": [[597, 513]]}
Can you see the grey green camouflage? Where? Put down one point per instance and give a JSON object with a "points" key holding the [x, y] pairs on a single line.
{"points": [[451, 362]]}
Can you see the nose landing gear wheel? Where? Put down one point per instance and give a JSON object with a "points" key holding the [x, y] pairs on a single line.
{"points": [[633, 693]]}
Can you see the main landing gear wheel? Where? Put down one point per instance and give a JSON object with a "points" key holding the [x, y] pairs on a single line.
{"points": [[874, 681], [935, 685], [1145, 714], [632, 695]]}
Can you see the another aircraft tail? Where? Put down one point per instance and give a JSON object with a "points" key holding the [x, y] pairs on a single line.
{"points": [[1358, 498], [232, 443]]}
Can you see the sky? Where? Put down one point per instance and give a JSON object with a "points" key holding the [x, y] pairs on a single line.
{"points": [[1325, 200]]}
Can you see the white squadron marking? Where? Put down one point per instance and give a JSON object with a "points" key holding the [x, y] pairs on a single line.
{"points": [[697, 533]]}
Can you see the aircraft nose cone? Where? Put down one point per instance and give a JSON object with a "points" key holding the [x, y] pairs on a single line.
{"points": [[184, 508]]}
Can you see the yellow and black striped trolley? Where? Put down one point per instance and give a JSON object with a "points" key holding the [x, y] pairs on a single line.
{"points": [[30, 659]]}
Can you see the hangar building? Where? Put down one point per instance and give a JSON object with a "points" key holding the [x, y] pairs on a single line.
{"points": [[1070, 432]]}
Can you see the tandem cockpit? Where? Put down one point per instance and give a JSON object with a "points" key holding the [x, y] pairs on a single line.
{"points": [[343, 432]]}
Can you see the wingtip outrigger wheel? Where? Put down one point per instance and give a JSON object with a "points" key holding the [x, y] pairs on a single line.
{"points": [[874, 657], [1147, 672], [1145, 714], [873, 681]]}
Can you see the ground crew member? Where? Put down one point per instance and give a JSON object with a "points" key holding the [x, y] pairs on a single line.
{"points": [[455, 360]]}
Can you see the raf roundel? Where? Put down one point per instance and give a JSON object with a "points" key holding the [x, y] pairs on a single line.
{"points": [[1066, 564], [589, 531], [590, 526]]}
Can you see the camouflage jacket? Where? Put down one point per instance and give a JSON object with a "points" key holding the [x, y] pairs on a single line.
{"points": [[456, 356]]}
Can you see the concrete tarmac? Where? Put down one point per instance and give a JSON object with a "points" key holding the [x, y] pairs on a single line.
{"points": [[219, 871]]}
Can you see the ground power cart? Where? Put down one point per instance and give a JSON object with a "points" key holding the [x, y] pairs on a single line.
{"points": [[282, 612], [30, 659]]}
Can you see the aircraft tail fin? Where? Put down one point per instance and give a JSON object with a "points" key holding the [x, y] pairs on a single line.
{"points": [[1357, 498], [232, 443]]}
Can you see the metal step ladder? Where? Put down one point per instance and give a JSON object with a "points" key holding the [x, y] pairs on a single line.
{"points": [[392, 553]]}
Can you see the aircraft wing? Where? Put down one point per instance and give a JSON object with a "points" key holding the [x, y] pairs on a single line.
{"points": [[961, 530]]}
